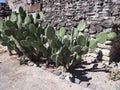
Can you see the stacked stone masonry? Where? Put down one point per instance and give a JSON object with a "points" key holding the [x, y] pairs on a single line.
{"points": [[99, 15]]}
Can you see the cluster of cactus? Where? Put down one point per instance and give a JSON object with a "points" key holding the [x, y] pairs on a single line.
{"points": [[29, 36], [67, 49], [24, 33]]}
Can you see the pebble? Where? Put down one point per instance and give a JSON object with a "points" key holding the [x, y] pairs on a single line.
{"points": [[62, 76], [69, 78], [30, 63], [106, 52], [56, 72]]}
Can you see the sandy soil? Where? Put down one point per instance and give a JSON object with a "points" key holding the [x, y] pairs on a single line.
{"points": [[16, 77]]}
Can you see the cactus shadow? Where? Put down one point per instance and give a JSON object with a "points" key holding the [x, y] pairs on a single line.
{"points": [[81, 74]]}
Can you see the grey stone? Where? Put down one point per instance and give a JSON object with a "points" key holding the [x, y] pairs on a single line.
{"points": [[84, 84], [108, 42], [62, 76], [106, 58], [43, 67], [57, 72], [107, 23], [69, 78], [105, 52], [107, 30], [98, 28], [30, 63], [77, 81], [34, 65], [103, 46], [92, 29]]}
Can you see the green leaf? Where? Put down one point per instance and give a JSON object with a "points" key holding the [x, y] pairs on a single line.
{"points": [[1, 22], [75, 33], [78, 57], [84, 49], [62, 32], [93, 44], [66, 41], [29, 39], [19, 21], [101, 37], [4, 43], [25, 43], [39, 31], [32, 28], [81, 40], [111, 36], [81, 26], [9, 24], [50, 32], [77, 48], [21, 11], [41, 15], [8, 32], [27, 20], [13, 17], [53, 57]]}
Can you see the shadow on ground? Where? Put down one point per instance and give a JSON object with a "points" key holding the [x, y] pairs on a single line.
{"points": [[81, 74]]}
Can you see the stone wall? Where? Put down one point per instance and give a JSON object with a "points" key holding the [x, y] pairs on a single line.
{"points": [[99, 15]]}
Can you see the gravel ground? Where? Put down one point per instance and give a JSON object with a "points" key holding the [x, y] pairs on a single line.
{"points": [[16, 77]]}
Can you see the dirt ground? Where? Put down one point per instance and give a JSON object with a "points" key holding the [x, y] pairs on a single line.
{"points": [[16, 77]]}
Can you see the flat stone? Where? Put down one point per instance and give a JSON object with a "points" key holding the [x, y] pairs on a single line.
{"points": [[77, 81], [43, 67], [107, 30], [106, 52], [107, 23], [69, 78], [103, 46], [106, 58], [84, 84], [108, 42], [62, 76], [30, 63], [34, 65], [57, 72], [98, 28]]}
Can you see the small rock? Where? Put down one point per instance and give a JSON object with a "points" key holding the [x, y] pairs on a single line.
{"points": [[107, 30], [50, 70], [84, 84], [69, 78], [103, 46], [77, 81], [30, 63], [34, 65], [43, 67], [62, 76], [57, 72], [107, 23], [106, 58], [108, 42], [106, 52]]}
